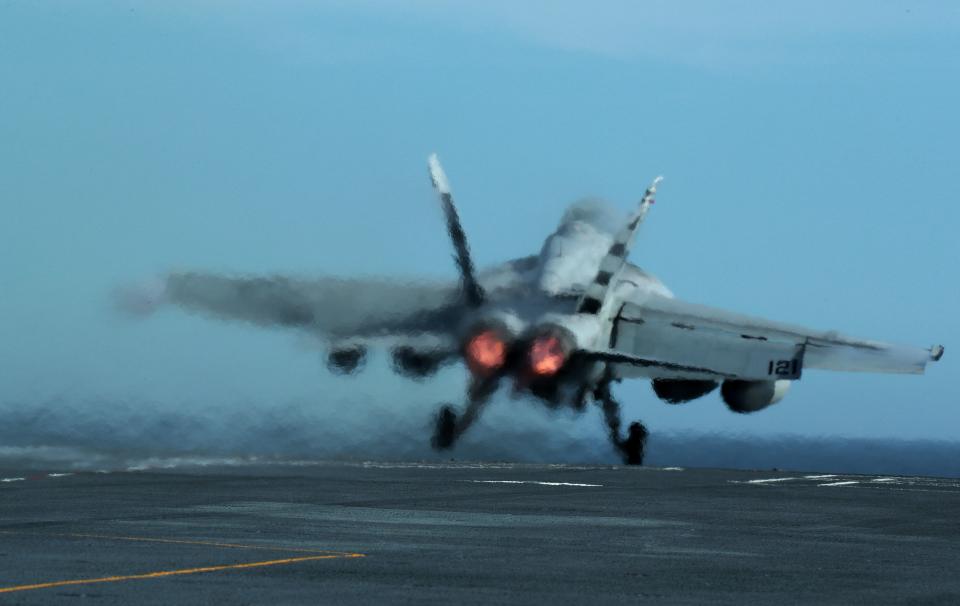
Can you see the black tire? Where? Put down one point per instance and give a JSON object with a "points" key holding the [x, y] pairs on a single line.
{"points": [[633, 446], [444, 432]]}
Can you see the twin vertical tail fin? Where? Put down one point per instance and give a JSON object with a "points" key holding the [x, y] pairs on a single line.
{"points": [[597, 295], [472, 291]]}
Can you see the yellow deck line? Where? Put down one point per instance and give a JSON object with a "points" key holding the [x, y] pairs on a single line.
{"points": [[76, 535], [321, 555], [170, 573]]}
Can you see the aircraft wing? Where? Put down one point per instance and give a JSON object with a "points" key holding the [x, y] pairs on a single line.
{"points": [[335, 308], [331, 307], [665, 338]]}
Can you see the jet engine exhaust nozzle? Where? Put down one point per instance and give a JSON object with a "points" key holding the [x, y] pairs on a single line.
{"points": [[548, 352], [547, 355], [486, 352]]}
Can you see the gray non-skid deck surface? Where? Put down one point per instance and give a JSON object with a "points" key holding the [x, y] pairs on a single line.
{"points": [[464, 533]]}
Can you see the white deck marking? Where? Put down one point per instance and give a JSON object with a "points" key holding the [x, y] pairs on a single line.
{"points": [[900, 483], [534, 482], [36, 477]]}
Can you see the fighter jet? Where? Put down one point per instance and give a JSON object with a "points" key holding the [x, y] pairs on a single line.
{"points": [[561, 326]]}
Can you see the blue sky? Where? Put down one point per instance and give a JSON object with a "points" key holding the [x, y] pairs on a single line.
{"points": [[809, 149]]}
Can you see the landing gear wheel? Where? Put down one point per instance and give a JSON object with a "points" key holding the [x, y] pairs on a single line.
{"points": [[632, 447], [444, 433]]}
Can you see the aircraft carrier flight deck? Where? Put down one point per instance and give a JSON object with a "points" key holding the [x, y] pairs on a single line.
{"points": [[474, 533]]}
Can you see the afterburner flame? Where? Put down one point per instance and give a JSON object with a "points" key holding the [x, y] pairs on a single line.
{"points": [[547, 356], [486, 351]]}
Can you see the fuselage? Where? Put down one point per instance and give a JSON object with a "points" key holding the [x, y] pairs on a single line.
{"points": [[538, 295], [546, 287]]}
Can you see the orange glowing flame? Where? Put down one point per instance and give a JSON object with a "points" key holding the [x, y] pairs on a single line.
{"points": [[486, 351], [547, 356]]}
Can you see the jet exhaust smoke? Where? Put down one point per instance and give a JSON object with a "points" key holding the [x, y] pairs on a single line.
{"points": [[94, 434], [596, 212]]}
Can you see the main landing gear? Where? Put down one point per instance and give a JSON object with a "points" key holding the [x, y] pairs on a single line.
{"points": [[449, 426], [631, 447]]}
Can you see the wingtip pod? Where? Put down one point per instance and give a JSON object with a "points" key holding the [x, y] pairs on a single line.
{"points": [[437, 176], [936, 352]]}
